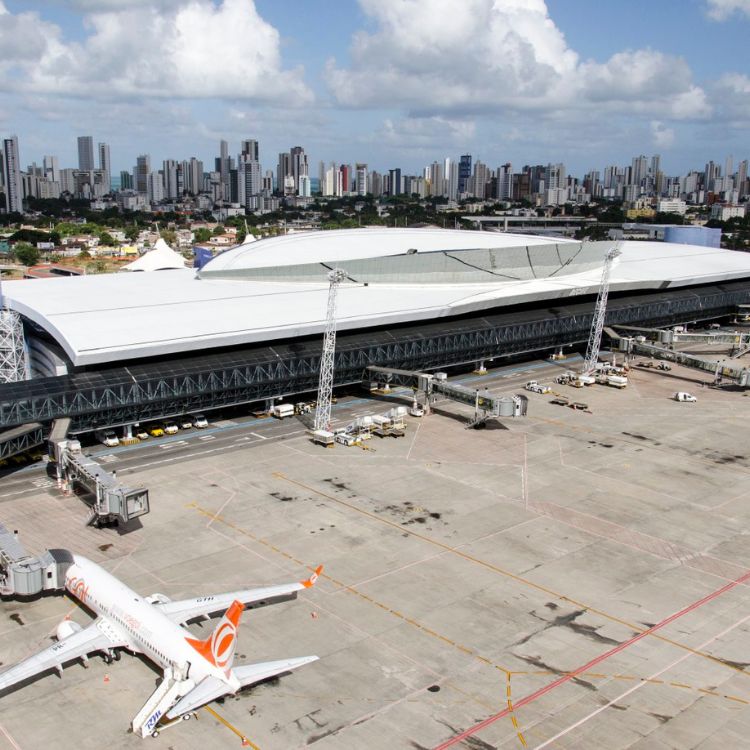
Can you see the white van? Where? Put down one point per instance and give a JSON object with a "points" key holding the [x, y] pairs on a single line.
{"points": [[281, 411], [682, 396], [108, 438]]}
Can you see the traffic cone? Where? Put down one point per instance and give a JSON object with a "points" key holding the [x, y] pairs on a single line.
{"points": [[106, 678], [245, 743], [314, 615]]}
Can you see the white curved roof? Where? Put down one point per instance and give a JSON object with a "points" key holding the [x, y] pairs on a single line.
{"points": [[118, 317], [353, 244]]}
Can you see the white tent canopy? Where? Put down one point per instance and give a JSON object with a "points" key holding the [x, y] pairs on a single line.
{"points": [[161, 258]]}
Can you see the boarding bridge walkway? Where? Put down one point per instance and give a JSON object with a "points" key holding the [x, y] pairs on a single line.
{"points": [[485, 405], [739, 375], [113, 502], [669, 337]]}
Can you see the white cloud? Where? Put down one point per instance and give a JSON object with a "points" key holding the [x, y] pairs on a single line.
{"points": [[731, 95], [662, 136], [194, 49], [442, 57], [425, 132], [721, 10]]}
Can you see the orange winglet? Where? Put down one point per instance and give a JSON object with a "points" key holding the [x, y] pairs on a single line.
{"points": [[310, 582]]}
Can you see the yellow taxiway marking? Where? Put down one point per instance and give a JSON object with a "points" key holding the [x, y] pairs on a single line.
{"points": [[245, 741], [508, 574]]}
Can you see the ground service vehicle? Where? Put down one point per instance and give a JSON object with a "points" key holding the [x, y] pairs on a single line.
{"points": [[171, 428], [156, 430], [536, 387], [685, 397], [280, 411], [108, 438], [199, 421]]}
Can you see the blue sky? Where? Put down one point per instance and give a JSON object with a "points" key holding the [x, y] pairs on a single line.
{"points": [[388, 82]]}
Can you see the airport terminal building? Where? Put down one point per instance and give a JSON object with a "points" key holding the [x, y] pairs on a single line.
{"points": [[109, 350]]}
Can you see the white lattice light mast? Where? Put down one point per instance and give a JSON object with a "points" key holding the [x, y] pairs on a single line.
{"points": [[597, 324], [325, 384], [12, 345]]}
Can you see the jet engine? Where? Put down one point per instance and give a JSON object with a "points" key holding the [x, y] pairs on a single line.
{"points": [[66, 628]]}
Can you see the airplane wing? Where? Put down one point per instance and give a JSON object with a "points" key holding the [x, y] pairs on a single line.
{"points": [[211, 688], [75, 646], [187, 610]]}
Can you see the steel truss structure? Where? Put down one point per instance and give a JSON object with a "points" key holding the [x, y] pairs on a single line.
{"points": [[12, 347], [152, 390], [327, 361]]}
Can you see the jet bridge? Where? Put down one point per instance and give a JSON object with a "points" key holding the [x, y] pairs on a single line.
{"points": [[736, 339], [739, 375], [113, 502], [22, 574], [486, 406]]}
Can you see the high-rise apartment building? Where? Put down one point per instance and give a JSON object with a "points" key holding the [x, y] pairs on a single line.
{"points": [[192, 176], [141, 172], [51, 168], [394, 181], [298, 164], [451, 179], [12, 175], [742, 186], [250, 148], [85, 153], [283, 170], [505, 182], [345, 171], [155, 183], [361, 179], [639, 172], [170, 170], [464, 172], [249, 180], [105, 165], [223, 166]]}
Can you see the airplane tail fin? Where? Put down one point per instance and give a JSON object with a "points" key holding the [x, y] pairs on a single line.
{"points": [[219, 647]]}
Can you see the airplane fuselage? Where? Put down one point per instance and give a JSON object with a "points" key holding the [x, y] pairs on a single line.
{"points": [[140, 623]]}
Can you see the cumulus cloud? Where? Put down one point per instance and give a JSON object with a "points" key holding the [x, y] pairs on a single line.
{"points": [[495, 55], [731, 95], [191, 49], [662, 136], [721, 10], [425, 132]]}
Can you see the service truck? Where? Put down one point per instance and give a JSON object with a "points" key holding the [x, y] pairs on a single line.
{"points": [[280, 411]]}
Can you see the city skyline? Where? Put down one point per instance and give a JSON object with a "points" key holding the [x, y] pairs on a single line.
{"points": [[387, 83], [236, 186]]}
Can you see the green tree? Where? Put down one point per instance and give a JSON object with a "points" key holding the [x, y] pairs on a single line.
{"points": [[169, 236], [98, 266], [202, 234], [218, 229], [105, 238], [132, 232], [26, 254]]}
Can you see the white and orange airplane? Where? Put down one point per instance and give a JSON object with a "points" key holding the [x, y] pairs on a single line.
{"points": [[196, 672]]}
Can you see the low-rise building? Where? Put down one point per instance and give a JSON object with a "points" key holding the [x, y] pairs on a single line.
{"points": [[727, 211], [672, 206]]}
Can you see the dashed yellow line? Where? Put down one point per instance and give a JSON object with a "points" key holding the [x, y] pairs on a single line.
{"points": [[635, 678], [438, 636], [507, 573], [245, 741], [513, 718]]}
